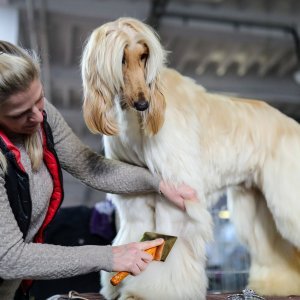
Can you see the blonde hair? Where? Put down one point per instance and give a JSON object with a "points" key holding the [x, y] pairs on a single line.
{"points": [[18, 69], [102, 75]]}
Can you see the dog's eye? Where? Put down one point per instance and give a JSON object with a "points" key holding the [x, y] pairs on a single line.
{"points": [[144, 56]]}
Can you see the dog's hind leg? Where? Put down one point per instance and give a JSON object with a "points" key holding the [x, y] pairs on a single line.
{"points": [[280, 177], [275, 264]]}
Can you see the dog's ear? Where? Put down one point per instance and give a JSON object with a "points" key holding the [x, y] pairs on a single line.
{"points": [[156, 115], [98, 108], [98, 113]]}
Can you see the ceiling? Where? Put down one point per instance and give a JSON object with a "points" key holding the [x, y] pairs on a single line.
{"points": [[248, 48]]}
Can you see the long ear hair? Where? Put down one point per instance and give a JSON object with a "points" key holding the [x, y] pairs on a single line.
{"points": [[102, 78], [154, 118]]}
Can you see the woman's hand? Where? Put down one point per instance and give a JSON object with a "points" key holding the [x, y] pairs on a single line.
{"points": [[178, 195], [132, 257]]}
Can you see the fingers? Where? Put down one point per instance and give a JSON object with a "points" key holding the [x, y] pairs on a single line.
{"points": [[146, 257], [180, 202], [178, 195], [139, 267], [187, 192], [149, 244], [142, 258], [132, 257]]}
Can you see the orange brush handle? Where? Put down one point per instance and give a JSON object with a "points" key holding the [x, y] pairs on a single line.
{"points": [[116, 279]]}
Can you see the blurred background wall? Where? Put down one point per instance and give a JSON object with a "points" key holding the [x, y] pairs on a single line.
{"points": [[246, 48]]}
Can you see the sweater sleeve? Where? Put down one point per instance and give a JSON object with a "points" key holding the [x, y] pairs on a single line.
{"points": [[104, 174], [42, 261]]}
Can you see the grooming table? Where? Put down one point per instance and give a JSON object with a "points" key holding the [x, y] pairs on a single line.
{"points": [[96, 296], [224, 296]]}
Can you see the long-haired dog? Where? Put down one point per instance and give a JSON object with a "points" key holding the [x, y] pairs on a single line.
{"points": [[154, 117]]}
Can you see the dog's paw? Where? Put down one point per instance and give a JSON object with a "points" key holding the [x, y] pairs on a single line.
{"points": [[109, 291], [130, 296]]}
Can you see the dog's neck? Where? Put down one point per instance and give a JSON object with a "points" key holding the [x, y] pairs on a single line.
{"points": [[130, 138], [129, 122]]}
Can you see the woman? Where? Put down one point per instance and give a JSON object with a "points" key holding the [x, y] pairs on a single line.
{"points": [[35, 144]]}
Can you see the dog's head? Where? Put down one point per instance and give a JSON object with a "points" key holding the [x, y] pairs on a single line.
{"points": [[121, 62]]}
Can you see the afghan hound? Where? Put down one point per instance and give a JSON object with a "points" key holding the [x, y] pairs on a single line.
{"points": [[152, 116]]}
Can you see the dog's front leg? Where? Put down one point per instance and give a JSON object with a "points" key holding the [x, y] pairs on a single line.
{"points": [[182, 275], [135, 215], [185, 267]]}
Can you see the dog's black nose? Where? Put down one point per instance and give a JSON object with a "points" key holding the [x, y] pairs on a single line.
{"points": [[141, 105]]}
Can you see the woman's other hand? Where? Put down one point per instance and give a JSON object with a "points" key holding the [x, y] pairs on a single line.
{"points": [[178, 195]]}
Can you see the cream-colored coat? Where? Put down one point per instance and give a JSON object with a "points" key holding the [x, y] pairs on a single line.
{"points": [[214, 143]]}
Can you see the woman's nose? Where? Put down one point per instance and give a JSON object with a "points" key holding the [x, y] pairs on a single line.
{"points": [[36, 115]]}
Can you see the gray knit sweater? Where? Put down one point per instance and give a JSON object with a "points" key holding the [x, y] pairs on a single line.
{"points": [[21, 258]]}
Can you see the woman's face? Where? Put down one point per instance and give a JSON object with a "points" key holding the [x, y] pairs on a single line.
{"points": [[22, 112]]}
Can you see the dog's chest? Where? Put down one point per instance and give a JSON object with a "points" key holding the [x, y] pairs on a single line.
{"points": [[162, 153], [176, 155], [133, 146]]}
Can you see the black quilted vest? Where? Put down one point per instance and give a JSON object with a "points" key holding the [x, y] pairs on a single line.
{"points": [[17, 182]]}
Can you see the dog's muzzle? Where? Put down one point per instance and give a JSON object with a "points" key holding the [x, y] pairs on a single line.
{"points": [[141, 105]]}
